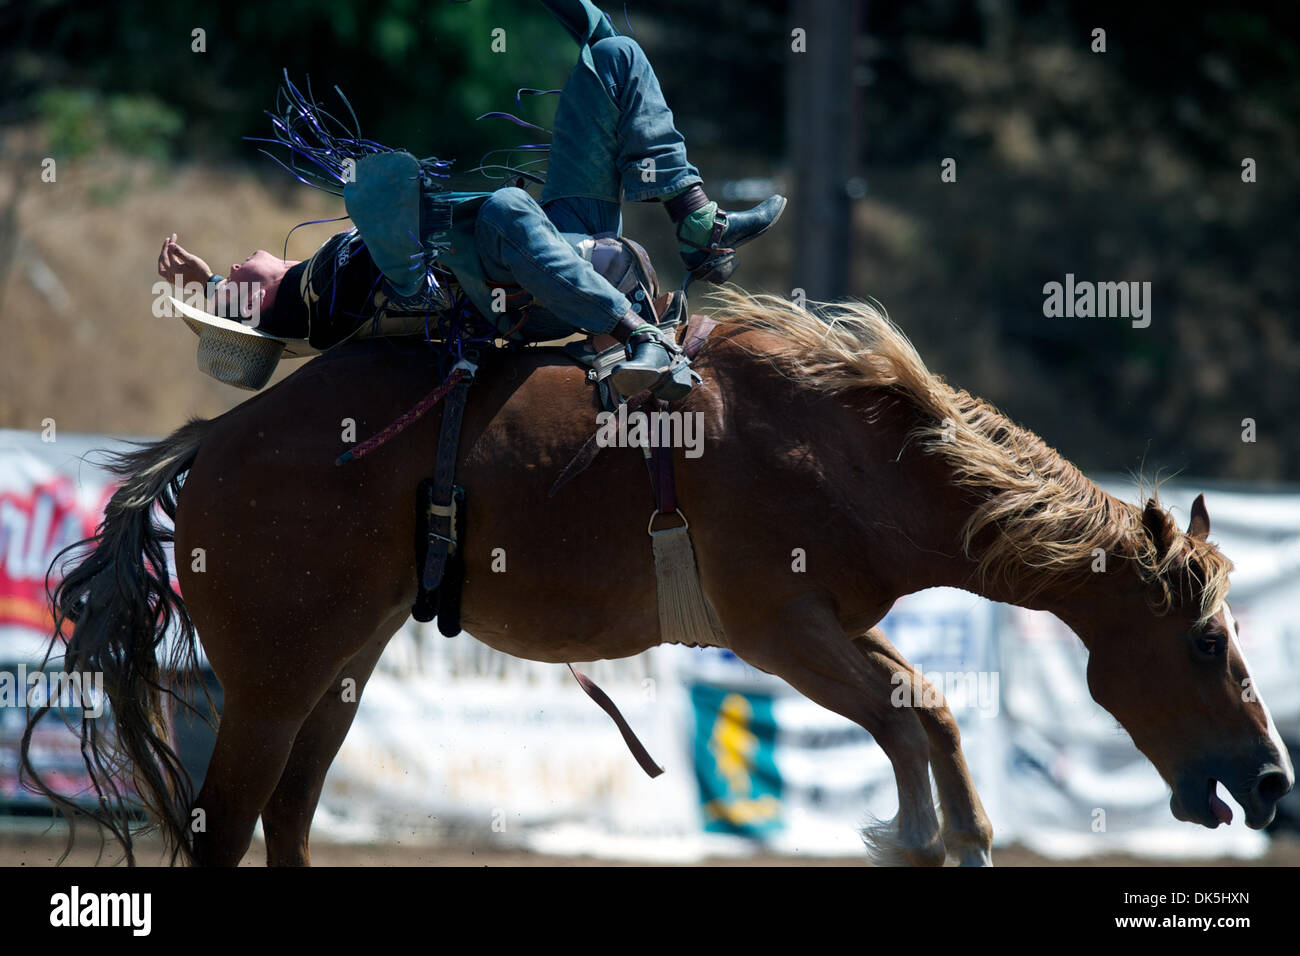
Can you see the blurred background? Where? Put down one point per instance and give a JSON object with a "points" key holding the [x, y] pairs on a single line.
{"points": [[1163, 150]]}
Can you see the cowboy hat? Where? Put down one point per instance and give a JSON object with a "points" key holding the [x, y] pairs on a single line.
{"points": [[235, 353]]}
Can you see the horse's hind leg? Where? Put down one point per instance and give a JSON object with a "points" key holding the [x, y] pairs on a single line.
{"points": [[287, 816], [804, 644], [264, 708], [250, 753], [967, 833]]}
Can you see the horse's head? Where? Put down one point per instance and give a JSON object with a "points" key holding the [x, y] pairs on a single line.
{"points": [[1177, 679]]}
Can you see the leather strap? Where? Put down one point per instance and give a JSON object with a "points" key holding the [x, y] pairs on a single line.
{"points": [[665, 480], [682, 205], [714, 245], [633, 744], [648, 278], [441, 512], [660, 305], [662, 477], [719, 227], [698, 330]]}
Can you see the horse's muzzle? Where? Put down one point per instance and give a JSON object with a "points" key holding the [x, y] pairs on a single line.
{"points": [[1195, 799], [1272, 784]]}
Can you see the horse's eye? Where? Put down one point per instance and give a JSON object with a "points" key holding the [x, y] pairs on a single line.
{"points": [[1210, 644]]}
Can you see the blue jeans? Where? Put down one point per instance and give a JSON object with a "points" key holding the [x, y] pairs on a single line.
{"points": [[613, 139]]}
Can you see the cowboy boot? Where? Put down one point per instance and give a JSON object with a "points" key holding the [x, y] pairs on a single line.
{"points": [[653, 362], [714, 260]]}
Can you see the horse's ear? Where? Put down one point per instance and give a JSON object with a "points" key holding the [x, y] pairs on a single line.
{"points": [[1158, 526], [1199, 528]]}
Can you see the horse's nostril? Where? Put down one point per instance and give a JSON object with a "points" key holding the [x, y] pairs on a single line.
{"points": [[1272, 787]]}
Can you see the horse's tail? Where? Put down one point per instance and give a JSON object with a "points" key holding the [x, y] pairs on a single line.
{"points": [[121, 604]]}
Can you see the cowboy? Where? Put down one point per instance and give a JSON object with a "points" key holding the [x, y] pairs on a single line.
{"points": [[613, 140]]}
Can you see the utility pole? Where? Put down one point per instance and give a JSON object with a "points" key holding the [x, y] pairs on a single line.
{"points": [[822, 123]]}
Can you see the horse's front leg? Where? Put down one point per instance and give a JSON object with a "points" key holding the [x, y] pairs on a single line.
{"points": [[967, 833], [802, 642]]}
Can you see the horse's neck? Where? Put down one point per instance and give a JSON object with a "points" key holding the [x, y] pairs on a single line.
{"points": [[1104, 589]]}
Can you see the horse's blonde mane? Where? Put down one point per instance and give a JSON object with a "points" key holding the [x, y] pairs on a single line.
{"points": [[1042, 521]]}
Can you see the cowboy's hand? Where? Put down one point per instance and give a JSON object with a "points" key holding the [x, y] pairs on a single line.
{"points": [[174, 260]]}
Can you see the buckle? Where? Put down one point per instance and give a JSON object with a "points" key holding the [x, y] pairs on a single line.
{"points": [[719, 227], [652, 531]]}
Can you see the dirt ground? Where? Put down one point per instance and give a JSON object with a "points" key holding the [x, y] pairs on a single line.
{"points": [[34, 848]]}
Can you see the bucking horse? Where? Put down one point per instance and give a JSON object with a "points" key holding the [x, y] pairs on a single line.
{"points": [[823, 433]]}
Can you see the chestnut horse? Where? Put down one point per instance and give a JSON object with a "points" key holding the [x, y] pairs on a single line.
{"points": [[824, 436]]}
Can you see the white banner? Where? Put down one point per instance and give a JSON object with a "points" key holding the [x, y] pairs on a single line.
{"points": [[453, 737]]}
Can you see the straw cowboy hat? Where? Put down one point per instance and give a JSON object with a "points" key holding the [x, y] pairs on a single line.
{"points": [[235, 353]]}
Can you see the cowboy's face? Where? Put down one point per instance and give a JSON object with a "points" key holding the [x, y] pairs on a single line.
{"points": [[254, 282]]}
